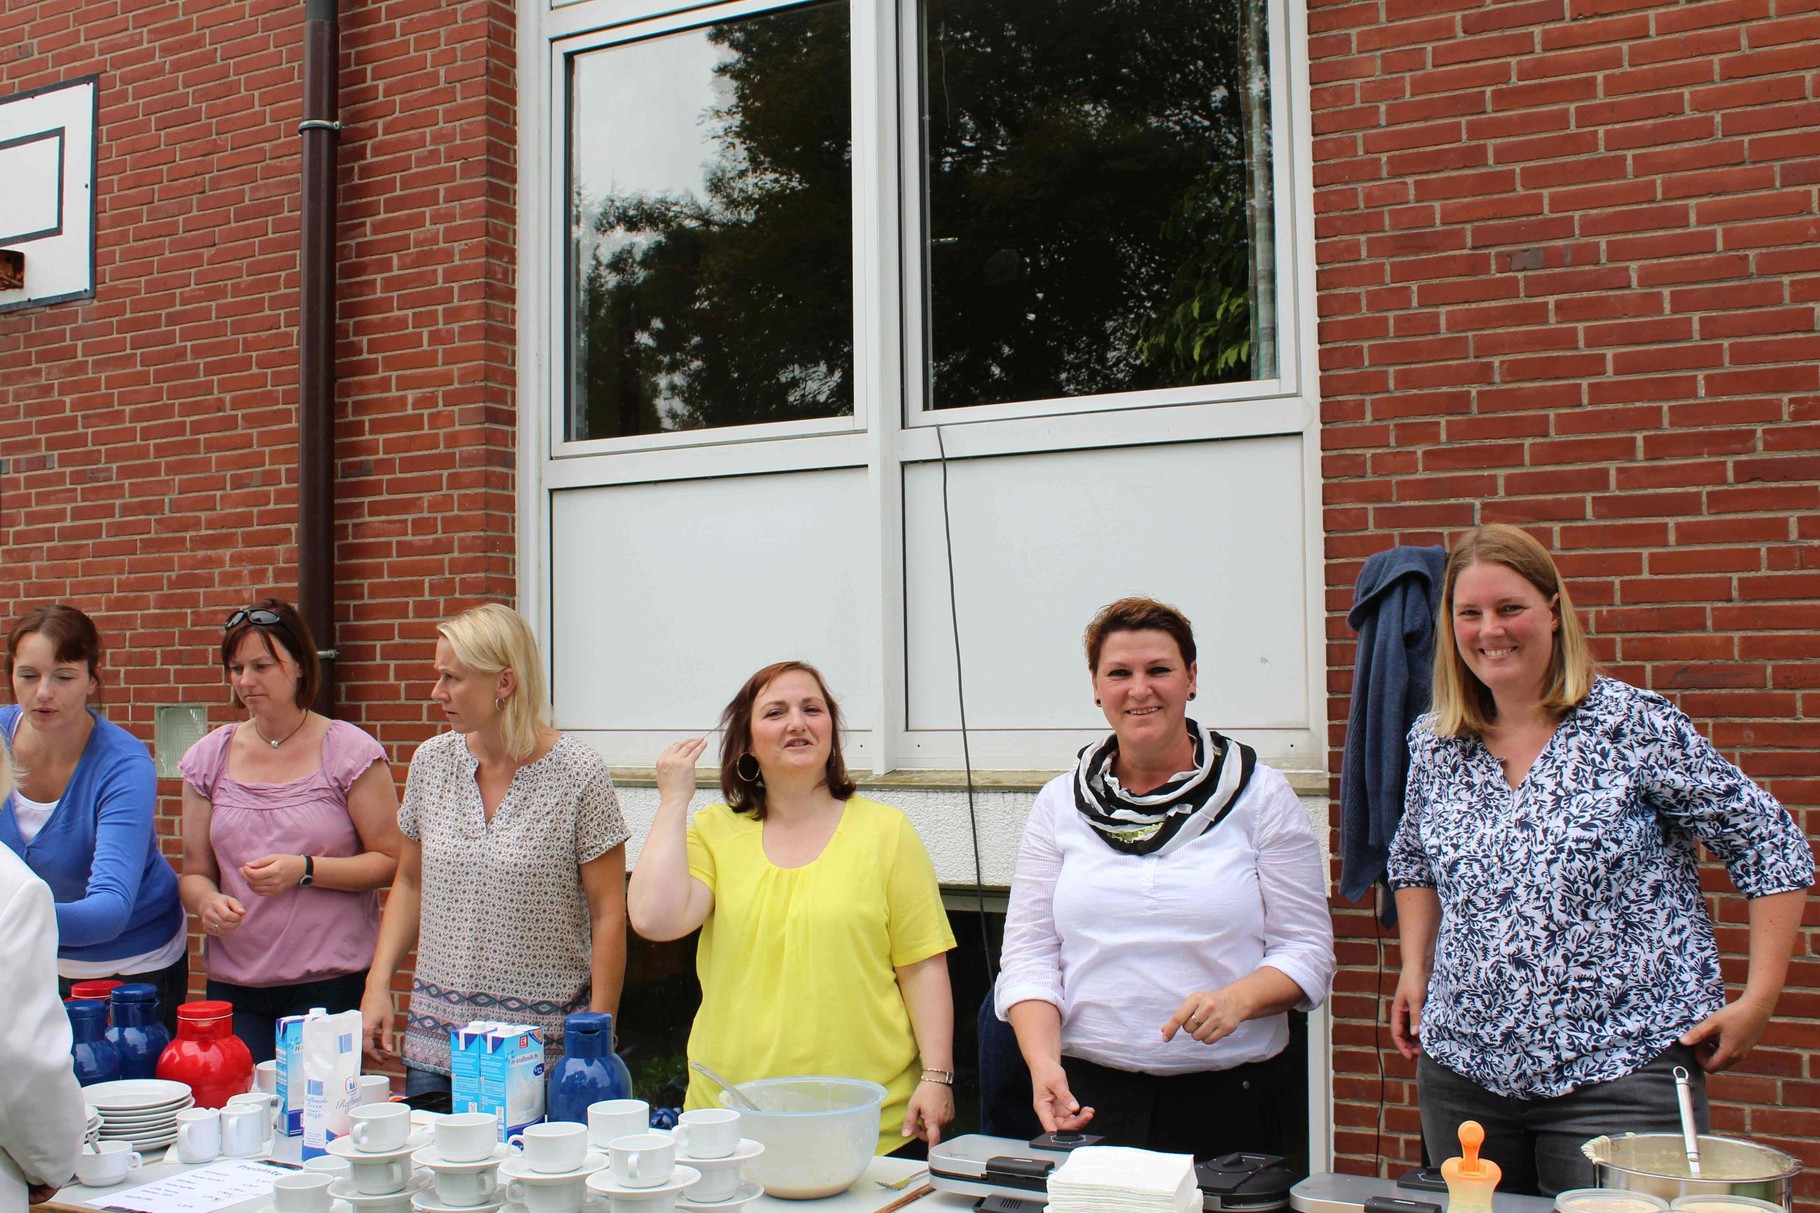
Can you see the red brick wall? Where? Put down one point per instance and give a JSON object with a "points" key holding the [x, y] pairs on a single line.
{"points": [[150, 433], [1569, 255]]}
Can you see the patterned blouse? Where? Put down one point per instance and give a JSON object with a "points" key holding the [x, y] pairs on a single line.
{"points": [[505, 934], [1574, 945]]}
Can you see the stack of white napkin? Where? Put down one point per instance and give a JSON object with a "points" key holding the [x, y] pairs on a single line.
{"points": [[1117, 1179]]}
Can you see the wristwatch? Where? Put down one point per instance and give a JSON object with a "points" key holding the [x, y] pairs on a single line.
{"points": [[309, 872]]}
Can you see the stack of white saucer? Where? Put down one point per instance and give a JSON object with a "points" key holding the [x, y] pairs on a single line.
{"points": [[377, 1149], [463, 1164], [547, 1167], [142, 1111], [697, 1167]]}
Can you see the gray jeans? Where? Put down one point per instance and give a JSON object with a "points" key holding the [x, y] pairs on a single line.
{"points": [[1537, 1141]]}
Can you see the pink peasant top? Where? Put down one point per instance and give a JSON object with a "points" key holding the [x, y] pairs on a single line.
{"points": [[301, 934]]}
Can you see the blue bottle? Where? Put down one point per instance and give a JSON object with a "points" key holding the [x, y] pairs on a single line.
{"points": [[97, 1060], [137, 1031], [589, 1070]]}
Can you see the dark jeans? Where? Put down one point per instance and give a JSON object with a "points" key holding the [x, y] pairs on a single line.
{"points": [[1537, 1141], [173, 982], [1205, 1114], [257, 1009], [422, 1082]]}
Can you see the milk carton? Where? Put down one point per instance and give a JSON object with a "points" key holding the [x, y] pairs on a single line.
{"points": [[465, 1049], [290, 1071], [498, 1068]]}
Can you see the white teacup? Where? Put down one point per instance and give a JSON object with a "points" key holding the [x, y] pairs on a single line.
{"points": [[198, 1135], [265, 1077], [554, 1147], [468, 1186], [467, 1136], [707, 1133], [304, 1192], [378, 1177], [327, 1164], [372, 1088], [643, 1160], [111, 1162], [244, 1127], [376, 1128], [561, 1196], [612, 1118]]}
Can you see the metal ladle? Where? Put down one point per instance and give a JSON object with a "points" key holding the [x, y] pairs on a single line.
{"points": [[739, 1097], [1690, 1134]]}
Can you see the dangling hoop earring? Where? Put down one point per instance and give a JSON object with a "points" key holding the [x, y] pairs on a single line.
{"points": [[755, 776], [499, 705]]}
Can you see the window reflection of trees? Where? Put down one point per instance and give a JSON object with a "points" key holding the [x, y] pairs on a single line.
{"points": [[1097, 204], [734, 307], [1092, 193]]}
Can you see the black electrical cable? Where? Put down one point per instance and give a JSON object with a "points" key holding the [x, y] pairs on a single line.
{"points": [[960, 695]]}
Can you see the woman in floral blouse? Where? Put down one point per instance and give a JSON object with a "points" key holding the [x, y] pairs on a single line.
{"points": [[1558, 962]]}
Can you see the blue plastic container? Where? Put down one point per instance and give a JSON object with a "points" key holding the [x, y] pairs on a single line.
{"points": [[97, 1060], [137, 1031], [589, 1070]]}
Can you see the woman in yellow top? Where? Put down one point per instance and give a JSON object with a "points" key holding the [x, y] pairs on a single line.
{"points": [[823, 943]]}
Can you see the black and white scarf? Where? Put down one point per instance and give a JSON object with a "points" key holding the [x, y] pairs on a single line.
{"points": [[1178, 812]]}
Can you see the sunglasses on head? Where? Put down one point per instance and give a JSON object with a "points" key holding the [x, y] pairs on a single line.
{"points": [[256, 615]]}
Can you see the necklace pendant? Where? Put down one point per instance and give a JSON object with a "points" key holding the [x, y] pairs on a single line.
{"points": [[276, 744]]}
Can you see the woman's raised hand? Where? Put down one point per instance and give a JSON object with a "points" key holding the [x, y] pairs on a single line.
{"points": [[676, 769]]}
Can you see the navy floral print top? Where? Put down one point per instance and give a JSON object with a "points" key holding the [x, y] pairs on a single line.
{"points": [[1574, 946]]}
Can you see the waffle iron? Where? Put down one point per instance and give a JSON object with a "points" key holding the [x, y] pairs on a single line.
{"points": [[1005, 1167]]}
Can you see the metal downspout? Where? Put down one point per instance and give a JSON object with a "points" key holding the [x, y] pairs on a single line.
{"points": [[320, 131]]}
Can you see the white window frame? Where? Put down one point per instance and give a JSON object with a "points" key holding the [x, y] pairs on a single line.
{"points": [[890, 428]]}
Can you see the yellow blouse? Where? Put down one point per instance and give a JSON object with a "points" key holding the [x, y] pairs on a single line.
{"points": [[797, 965]]}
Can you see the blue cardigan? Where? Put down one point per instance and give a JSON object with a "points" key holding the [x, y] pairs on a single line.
{"points": [[116, 893]]}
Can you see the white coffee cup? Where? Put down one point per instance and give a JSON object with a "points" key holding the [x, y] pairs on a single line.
{"points": [[198, 1135], [563, 1196], [111, 1162], [378, 1177], [265, 1077], [375, 1128], [642, 1160], [554, 1147], [612, 1118], [243, 1129], [466, 1186], [372, 1088], [304, 1192], [719, 1180], [467, 1136], [330, 1165], [707, 1133]]}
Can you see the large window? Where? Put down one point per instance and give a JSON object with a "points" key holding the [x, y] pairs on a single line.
{"points": [[854, 326]]}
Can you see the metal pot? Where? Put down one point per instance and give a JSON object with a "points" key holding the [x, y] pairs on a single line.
{"points": [[1657, 1163]]}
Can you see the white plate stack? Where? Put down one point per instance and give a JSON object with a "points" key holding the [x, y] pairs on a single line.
{"points": [[142, 1111]]}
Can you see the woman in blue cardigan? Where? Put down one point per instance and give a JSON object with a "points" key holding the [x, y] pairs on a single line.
{"points": [[81, 817]]}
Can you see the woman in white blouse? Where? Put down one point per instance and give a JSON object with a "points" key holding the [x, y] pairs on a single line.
{"points": [[1168, 910]]}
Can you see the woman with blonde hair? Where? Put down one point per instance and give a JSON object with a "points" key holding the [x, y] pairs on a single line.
{"points": [[511, 882], [1558, 961]]}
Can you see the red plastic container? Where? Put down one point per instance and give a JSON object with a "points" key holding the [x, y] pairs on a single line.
{"points": [[101, 988], [207, 1055]]}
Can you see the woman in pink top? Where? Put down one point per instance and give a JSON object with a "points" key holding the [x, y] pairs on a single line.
{"points": [[290, 826]]}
